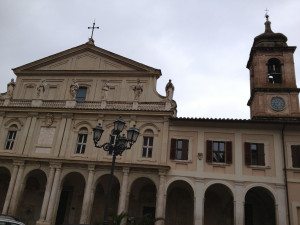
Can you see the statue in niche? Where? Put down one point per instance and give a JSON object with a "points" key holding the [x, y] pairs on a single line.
{"points": [[169, 90], [49, 119], [74, 88], [137, 89], [105, 90], [40, 90], [10, 89]]}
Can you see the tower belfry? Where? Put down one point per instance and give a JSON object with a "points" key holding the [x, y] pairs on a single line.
{"points": [[274, 92]]}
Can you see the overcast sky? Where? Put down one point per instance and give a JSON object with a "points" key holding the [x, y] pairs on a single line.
{"points": [[203, 46]]}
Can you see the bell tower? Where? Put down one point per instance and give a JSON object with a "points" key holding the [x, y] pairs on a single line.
{"points": [[274, 92]]}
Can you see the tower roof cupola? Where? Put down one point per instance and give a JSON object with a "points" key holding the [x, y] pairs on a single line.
{"points": [[269, 38]]}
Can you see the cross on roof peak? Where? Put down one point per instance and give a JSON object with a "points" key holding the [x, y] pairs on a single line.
{"points": [[93, 28]]}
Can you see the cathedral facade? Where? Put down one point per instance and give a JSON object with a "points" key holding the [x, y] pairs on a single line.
{"points": [[181, 171]]}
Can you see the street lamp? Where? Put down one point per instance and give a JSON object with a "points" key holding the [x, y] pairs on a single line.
{"points": [[116, 145]]}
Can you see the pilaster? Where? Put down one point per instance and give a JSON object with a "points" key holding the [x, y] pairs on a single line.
{"points": [[123, 191], [86, 199], [53, 194], [17, 189], [161, 199], [10, 189], [199, 202]]}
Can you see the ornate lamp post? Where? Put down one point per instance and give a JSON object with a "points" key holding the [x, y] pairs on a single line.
{"points": [[116, 145]]}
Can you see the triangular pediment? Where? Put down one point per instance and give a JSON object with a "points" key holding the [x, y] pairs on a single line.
{"points": [[86, 57]]}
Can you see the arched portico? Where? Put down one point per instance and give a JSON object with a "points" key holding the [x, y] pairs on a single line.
{"points": [[142, 199], [31, 199], [218, 205], [99, 198], [71, 197], [259, 207], [180, 203]]}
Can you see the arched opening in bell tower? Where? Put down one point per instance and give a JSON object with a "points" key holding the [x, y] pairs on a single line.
{"points": [[274, 71]]}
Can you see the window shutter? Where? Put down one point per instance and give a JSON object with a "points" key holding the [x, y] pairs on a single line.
{"points": [[261, 155], [247, 154], [208, 151], [185, 149], [228, 152], [173, 148], [296, 155]]}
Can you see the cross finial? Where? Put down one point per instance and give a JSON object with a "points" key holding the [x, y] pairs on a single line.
{"points": [[93, 28], [266, 14]]}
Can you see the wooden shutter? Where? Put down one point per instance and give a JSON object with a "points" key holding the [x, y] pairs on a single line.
{"points": [[173, 148], [296, 155], [261, 154], [185, 149], [247, 153], [208, 151], [228, 153]]}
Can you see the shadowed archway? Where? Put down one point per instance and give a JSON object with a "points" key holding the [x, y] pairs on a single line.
{"points": [[259, 207], [99, 198], [218, 205], [30, 204], [180, 204], [71, 197], [142, 199]]}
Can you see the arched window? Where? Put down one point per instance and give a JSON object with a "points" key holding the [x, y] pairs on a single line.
{"points": [[81, 94], [11, 137], [81, 141], [147, 149], [274, 71]]}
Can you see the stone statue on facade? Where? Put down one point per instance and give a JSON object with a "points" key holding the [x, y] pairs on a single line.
{"points": [[105, 90], [10, 89], [74, 88], [40, 90], [170, 90], [137, 89]]}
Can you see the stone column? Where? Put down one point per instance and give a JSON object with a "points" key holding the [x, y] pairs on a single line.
{"points": [[53, 195], [123, 191], [199, 202], [161, 198], [47, 194], [16, 191], [281, 205], [10, 189], [239, 204], [87, 198]]}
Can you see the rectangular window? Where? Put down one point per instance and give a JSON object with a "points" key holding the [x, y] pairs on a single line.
{"points": [[10, 139], [81, 94], [219, 151], [81, 143], [147, 147], [296, 156], [254, 154], [179, 149]]}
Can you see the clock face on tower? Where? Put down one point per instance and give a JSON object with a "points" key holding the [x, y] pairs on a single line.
{"points": [[277, 103]]}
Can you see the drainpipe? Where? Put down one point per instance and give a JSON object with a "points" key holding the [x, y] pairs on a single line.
{"points": [[285, 174]]}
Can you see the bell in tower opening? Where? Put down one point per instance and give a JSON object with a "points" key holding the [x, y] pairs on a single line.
{"points": [[274, 71]]}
